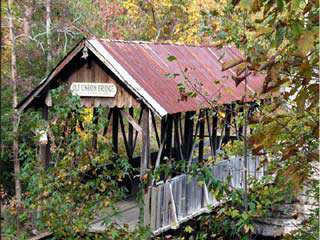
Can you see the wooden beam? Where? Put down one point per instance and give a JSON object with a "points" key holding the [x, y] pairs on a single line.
{"points": [[214, 133], [221, 135], [136, 134], [130, 131], [227, 123], [209, 132], [181, 135], [155, 128], [163, 126], [115, 127], [193, 143], [177, 139], [201, 135], [124, 136], [188, 133], [145, 159], [145, 151], [105, 130], [132, 122], [168, 149]]}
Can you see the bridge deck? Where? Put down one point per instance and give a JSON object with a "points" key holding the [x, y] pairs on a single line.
{"points": [[128, 215]]}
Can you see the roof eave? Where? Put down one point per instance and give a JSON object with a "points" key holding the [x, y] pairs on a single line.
{"points": [[104, 56], [27, 101]]}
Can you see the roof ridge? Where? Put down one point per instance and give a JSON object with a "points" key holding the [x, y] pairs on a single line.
{"points": [[161, 43]]}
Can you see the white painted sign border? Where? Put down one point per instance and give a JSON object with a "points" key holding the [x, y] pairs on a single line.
{"points": [[87, 89]]}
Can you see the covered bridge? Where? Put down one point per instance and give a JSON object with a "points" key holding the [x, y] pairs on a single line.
{"points": [[123, 75]]}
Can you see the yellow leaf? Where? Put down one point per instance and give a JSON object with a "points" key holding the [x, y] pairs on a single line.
{"points": [[229, 64], [221, 114], [106, 203], [246, 4], [246, 228], [305, 43], [45, 194], [188, 229]]}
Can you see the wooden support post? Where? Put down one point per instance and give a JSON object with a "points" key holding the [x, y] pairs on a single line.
{"points": [[177, 138], [180, 130], [214, 133], [123, 131], [188, 133], [168, 152], [145, 162], [145, 151], [155, 128], [158, 159], [163, 126], [130, 134], [201, 135], [136, 134], [194, 140], [115, 126], [227, 123], [209, 132], [105, 130]]}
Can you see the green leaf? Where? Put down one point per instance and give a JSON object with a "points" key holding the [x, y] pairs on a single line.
{"points": [[181, 87], [171, 75], [280, 34], [280, 5], [171, 58]]}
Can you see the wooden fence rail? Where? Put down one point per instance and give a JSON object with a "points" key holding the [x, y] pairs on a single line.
{"points": [[181, 198]]}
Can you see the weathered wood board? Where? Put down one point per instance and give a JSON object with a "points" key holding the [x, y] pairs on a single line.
{"points": [[95, 72]]}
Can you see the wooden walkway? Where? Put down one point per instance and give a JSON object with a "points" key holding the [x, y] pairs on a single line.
{"points": [[170, 203], [128, 215]]}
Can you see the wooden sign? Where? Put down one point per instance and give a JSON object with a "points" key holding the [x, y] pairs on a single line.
{"points": [[84, 89]]}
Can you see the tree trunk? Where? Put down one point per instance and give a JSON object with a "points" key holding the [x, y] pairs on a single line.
{"points": [[27, 14], [16, 117], [48, 33]]}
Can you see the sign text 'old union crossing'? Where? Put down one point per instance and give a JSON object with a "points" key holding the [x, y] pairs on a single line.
{"points": [[84, 89]]}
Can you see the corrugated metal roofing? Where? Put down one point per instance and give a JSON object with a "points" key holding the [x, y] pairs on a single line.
{"points": [[147, 63], [143, 66]]}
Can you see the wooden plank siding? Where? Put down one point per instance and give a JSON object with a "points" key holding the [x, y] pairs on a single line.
{"points": [[189, 198], [93, 71]]}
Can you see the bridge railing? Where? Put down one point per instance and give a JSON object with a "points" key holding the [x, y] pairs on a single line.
{"points": [[175, 201]]}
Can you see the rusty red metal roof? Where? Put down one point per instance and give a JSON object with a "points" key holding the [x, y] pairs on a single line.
{"points": [[148, 64], [143, 67]]}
